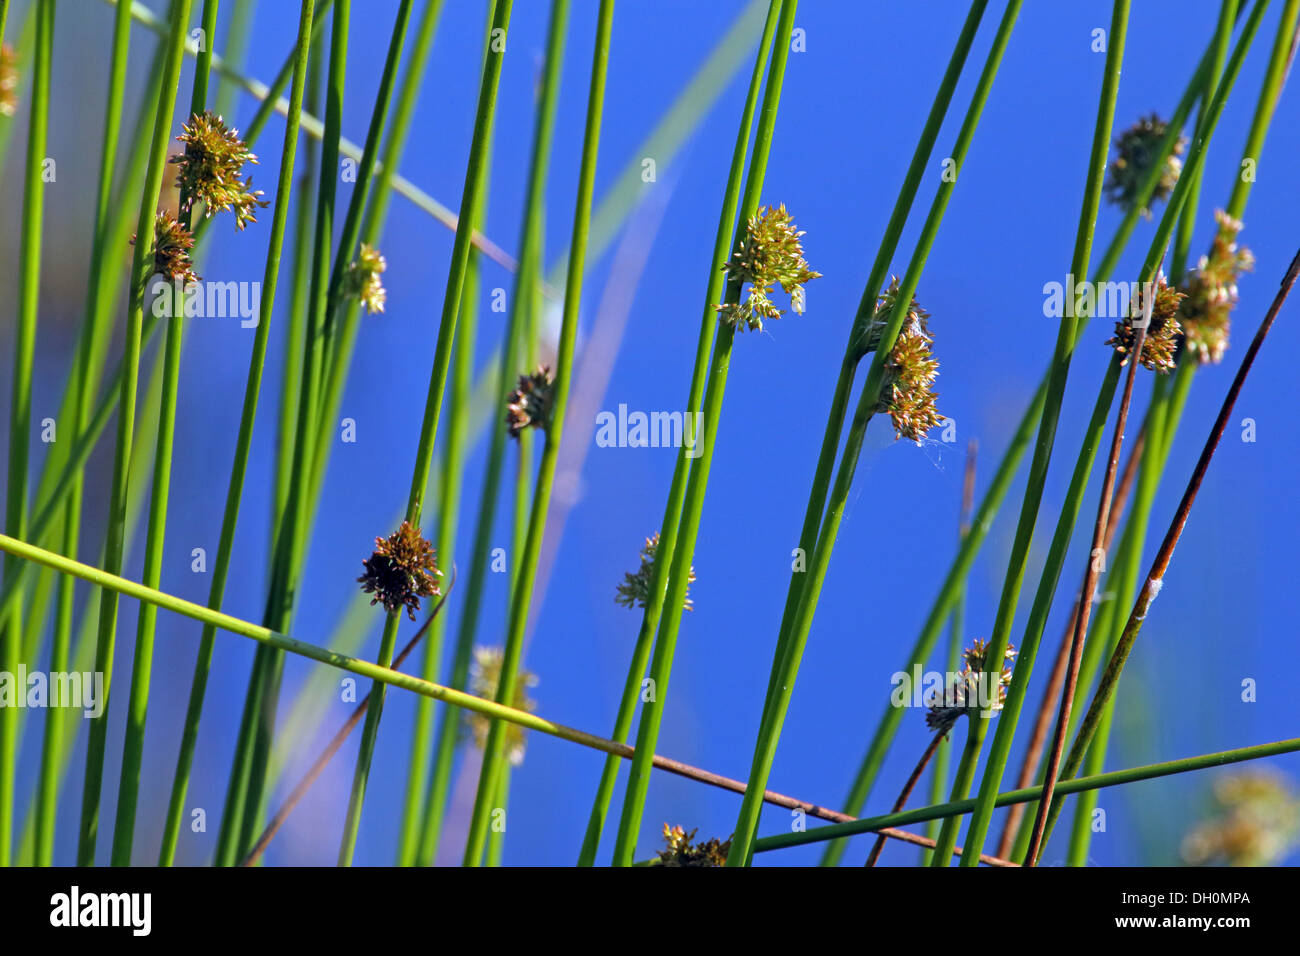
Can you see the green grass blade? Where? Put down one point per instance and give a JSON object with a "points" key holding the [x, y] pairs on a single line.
{"points": [[490, 771]]}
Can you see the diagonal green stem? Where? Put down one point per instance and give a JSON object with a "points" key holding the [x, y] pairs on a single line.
{"points": [[146, 624], [1060, 367], [493, 751], [141, 268], [1005, 473], [697, 484], [770, 731], [20, 408], [853, 351], [475, 174], [425, 850], [677, 490], [1001, 631]]}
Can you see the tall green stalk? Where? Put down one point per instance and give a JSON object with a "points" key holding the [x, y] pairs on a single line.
{"points": [[450, 488], [526, 279], [493, 752], [248, 415], [146, 625], [693, 504], [1164, 232], [240, 825], [475, 174], [783, 687], [853, 349], [1066, 337], [141, 268], [677, 490], [1173, 402], [937, 616], [20, 408]]}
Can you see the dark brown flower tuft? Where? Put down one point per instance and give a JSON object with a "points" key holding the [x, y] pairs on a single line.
{"points": [[529, 405], [1211, 289], [683, 851], [770, 254], [1160, 347], [211, 167], [362, 279], [635, 589], [906, 394], [962, 695], [1136, 152], [401, 571], [8, 80], [172, 243]]}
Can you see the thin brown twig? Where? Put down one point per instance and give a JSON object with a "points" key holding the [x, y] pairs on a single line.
{"points": [[1160, 565], [1096, 549], [336, 743], [790, 803], [1043, 722], [908, 787]]}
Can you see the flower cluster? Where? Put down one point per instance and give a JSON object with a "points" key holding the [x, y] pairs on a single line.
{"points": [[401, 571], [1160, 346], [362, 279], [172, 243], [210, 170], [683, 851], [8, 80], [906, 394], [635, 589], [1211, 289], [963, 694], [529, 405], [1256, 822], [770, 254], [485, 677], [1137, 150]]}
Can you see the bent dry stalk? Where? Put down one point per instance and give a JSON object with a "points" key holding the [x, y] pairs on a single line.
{"points": [[935, 619], [1160, 564]]}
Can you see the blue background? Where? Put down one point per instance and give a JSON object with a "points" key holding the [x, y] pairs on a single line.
{"points": [[852, 108]]}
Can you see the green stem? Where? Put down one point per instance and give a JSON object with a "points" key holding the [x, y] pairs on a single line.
{"points": [[770, 731], [853, 350], [1115, 778], [141, 268], [1038, 467], [453, 466], [677, 490], [475, 175], [20, 408], [146, 625], [1003, 476], [693, 504], [490, 772], [243, 442], [532, 721], [998, 640], [242, 818], [1160, 564]]}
